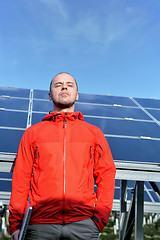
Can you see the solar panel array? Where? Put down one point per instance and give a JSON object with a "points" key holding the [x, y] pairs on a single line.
{"points": [[131, 125]]}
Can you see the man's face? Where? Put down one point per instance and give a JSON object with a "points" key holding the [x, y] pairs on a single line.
{"points": [[63, 92]]}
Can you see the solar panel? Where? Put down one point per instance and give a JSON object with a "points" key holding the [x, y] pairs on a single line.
{"points": [[148, 103], [108, 100], [149, 193], [131, 126], [5, 187], [135, 150], [37, 117], [42, 106], [125, 127], [154, 113], [13, 119], [13, 103], [5, 183], [41, 94], [111, 111], [14, 92], [10, 140]]}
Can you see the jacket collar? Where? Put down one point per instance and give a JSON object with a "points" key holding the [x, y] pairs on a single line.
{"points": [[60, 116]]}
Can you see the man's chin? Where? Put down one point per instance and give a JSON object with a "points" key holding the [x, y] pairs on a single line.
{"points": [[64, 105]]}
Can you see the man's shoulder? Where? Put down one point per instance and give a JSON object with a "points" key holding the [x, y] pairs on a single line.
{"points": [[35, 127]]}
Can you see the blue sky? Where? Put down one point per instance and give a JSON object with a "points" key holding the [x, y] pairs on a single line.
{"points": [[110, 46]]}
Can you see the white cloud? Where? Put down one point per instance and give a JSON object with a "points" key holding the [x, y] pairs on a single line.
{"points": [[55, 7], [114, 22], [46, 11]]}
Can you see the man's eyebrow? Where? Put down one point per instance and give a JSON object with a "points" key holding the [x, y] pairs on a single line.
{"points": [[61, 82], [70, 83], [57, 83]]}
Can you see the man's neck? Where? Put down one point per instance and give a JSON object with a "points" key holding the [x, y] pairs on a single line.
{"points": [[56, 109]]}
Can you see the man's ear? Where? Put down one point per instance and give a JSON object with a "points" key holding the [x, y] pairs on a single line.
{"points": [[77, 97], [50, 96]]}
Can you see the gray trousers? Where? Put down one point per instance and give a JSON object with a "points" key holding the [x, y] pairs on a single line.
{"points": [[81, 230]]}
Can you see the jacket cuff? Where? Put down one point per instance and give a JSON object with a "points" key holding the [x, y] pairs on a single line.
{"points": [[99, 224]]}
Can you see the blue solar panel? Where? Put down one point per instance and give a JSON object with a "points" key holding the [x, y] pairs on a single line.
{"points": [[37, 117], [6, 186], [10, 140], [41, 94], [13, 103], [148, 103], [125, 127], [154, 113], [117, 193], [146, 196], [104, 99], [148, 185], [135, 150], [155, 197], [111, 111], [149, 193], [6, 175], [13, 119], [14, 92], [42, 106]]}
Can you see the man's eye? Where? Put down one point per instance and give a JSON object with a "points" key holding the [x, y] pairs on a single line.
{"points": [[57, 85]]}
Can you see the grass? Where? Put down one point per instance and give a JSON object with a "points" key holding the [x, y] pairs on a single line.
{"points": [[151, 232]]}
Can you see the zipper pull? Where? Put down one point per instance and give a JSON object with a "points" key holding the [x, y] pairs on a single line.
{"points": [[91, 151], [65, 117], [65, 120], [36, 152], [98, 152]]}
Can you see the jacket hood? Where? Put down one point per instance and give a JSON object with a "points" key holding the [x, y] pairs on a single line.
{"points": [[59, 116]]}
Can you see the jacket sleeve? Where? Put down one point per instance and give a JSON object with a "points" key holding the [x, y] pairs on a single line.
{"points": [[20, 183], [104, 174]]}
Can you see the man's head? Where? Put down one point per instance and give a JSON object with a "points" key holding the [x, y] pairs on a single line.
{"points": [[63, 92]]}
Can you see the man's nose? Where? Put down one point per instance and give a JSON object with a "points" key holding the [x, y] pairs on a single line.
{"points": [[64, 85]]}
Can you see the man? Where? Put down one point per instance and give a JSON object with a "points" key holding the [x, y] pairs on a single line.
{"points": [[57, 162]]}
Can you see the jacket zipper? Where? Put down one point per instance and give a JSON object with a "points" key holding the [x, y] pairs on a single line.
{"points": [[64, 167]]}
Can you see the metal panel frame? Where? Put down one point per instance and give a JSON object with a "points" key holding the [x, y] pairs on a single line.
{"points": [[139, 173]]}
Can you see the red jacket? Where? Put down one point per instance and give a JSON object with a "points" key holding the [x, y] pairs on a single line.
{"points": [[57, 162]]}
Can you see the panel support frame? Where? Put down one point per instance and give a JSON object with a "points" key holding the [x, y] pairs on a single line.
{"points": [[139, 173]]}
